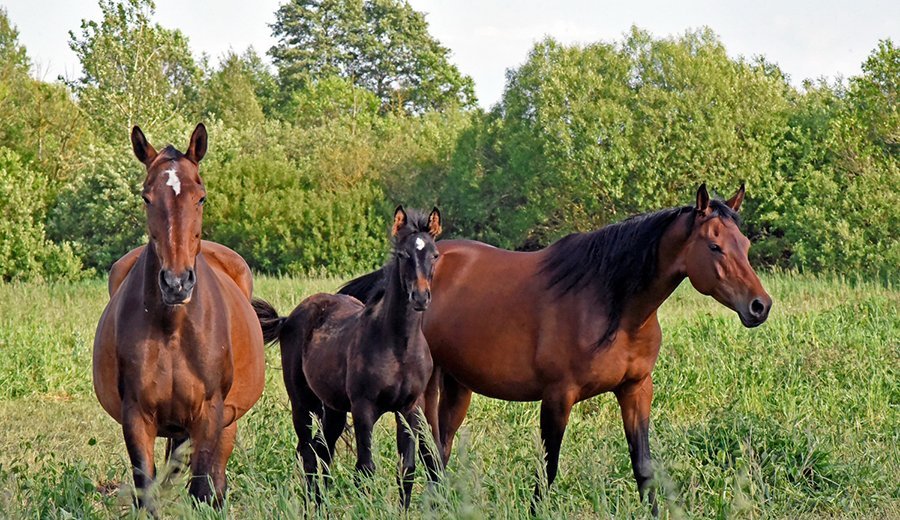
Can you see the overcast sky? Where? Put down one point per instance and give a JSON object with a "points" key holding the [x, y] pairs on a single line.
{"points": [[808, 39]]}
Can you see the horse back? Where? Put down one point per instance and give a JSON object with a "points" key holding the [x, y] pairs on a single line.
{"points": [[221, 258]]}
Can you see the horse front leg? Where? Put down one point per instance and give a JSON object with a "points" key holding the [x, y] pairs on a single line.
{"points": [[431, 455], [555, 409], [634, 400], [206, 434], [363, 412], [226, 447], [407, 424], [140, 434]]}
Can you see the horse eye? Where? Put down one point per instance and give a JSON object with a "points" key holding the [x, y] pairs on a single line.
{"points": [[202, 200], [146, 199], [403, 254], [715, 248]]}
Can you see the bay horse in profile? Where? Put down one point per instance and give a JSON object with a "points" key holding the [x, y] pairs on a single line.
{"points": [[178, 351], [576, 319], [339, 356]]}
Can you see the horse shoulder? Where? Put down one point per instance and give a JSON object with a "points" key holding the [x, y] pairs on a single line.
{"points": [[120, 269], [227, 262]]}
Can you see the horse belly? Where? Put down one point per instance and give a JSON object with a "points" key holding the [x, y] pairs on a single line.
{"points": [[105, 367], [488, 354], [325, 367], [247, 357]]}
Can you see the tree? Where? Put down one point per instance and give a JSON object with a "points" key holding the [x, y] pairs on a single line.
{"points": [[229, 94], [132, 71], [380, 45]]}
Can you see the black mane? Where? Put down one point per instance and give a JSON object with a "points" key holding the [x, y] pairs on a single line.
{"points": [[615, 262]]}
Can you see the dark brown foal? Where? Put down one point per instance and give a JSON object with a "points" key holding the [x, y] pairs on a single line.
{"points": [[341, 356]]}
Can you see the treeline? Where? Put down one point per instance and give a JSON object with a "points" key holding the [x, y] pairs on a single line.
{"points": [[365, 110]]}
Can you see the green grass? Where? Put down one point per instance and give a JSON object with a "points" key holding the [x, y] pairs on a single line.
{"points": [[798, 418]]}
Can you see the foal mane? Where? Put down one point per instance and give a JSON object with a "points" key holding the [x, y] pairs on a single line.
{"points": [[616, 261], [374, 287]]}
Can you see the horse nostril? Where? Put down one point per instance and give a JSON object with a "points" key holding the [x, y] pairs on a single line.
{"points": [[428, 293], [757, 307], [190, 278]]}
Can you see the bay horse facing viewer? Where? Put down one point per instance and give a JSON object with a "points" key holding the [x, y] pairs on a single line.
{"points": [[178, 351]]}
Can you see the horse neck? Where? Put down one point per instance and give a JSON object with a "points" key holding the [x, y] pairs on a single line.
{"points": [[396, 313], [670, 272]]}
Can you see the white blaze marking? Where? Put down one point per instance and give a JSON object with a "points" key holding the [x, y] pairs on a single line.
{"points": [[174, 181], [420, 244]]}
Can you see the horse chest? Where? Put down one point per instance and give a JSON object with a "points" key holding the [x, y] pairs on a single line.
{"points": [[393, 378], [175, 376]]}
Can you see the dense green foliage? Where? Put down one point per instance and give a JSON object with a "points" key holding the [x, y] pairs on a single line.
{"points": [[366, 111], [380, 45], [794, 419]]}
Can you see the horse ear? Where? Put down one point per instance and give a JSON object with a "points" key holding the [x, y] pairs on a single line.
{"points": [[702, 199], [143, 150], [434, 223], [197, 148], [735, 201], [399, 221]]}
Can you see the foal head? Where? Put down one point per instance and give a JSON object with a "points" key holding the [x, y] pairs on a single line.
{"points": [[412, 238], [173, 197], [715, 259]]}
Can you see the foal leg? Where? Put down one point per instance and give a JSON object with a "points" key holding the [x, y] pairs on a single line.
{"points": [[454, 404], [432, 458], [406, 448], [140, 434], [364, 417], [303, 423], [333, 423], [555, 408], [634, 400]]}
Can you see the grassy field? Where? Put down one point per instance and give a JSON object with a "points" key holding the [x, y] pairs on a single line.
{"points": [[798, 418]]}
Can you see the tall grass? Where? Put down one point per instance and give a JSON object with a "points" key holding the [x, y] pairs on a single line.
{"points": [[797, 418]]}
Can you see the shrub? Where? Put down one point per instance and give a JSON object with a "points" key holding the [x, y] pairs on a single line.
{"points": [[25, 252]]}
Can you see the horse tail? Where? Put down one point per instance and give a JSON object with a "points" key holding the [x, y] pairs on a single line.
{"points": [[269, 320], [361, 288]]}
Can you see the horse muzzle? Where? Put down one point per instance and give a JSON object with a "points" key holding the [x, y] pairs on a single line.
{"points": [[420, 299], [756, 311], [177, 289]]}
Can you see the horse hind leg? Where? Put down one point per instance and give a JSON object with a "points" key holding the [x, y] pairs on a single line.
{"points": [[333, 424], [454, 403], [301, 414], [177, 452]]}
